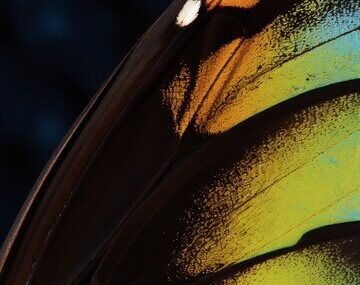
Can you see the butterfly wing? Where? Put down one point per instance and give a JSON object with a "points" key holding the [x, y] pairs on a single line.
{"points": [[219, 142], [53, 195]]}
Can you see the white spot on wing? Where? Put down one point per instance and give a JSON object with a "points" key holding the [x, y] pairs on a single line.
{"points": [[188, 13]]}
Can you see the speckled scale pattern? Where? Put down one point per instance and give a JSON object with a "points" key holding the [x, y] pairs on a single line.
{"points": [[225, 150]]}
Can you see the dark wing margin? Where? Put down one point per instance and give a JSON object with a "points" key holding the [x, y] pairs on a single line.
{"points": [[64, 169]]}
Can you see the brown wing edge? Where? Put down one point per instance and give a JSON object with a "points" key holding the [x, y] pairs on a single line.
{"points": [[19, 228]]}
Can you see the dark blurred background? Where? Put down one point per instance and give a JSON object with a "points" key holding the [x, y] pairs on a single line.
{"points": [[54, 55]]}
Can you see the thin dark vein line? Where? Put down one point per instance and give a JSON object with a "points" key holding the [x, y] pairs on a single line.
{"points": [[296, 169], [216, 79], [261, 191], [252, 80]]}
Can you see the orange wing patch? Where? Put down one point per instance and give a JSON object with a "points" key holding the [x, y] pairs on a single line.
{"points": [[246, 4]]}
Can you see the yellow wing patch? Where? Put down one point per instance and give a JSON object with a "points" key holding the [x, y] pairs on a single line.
{"points": [[322, 264], [291, 183]]}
